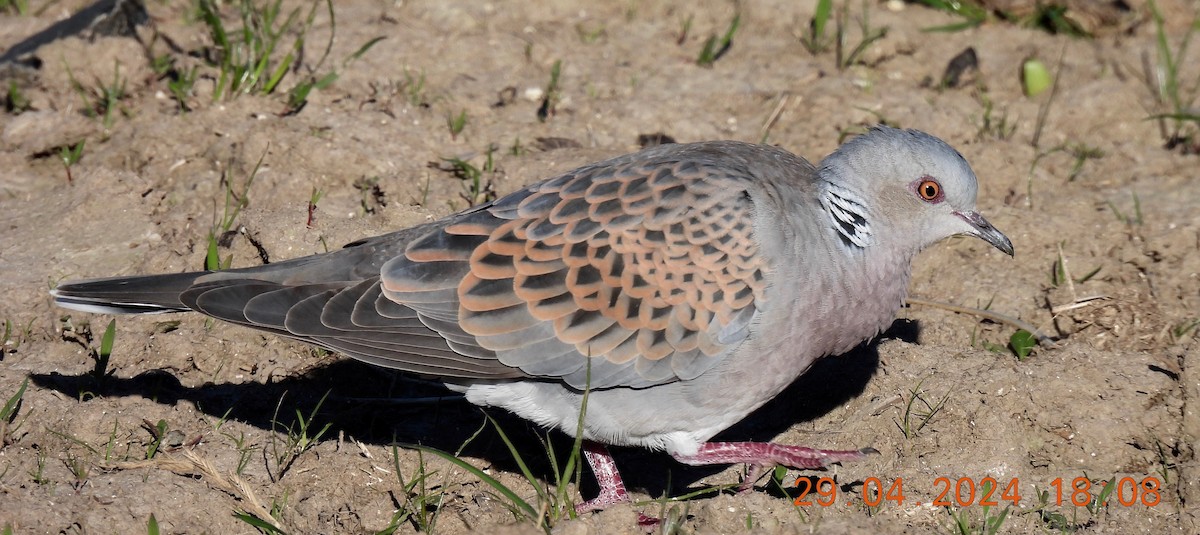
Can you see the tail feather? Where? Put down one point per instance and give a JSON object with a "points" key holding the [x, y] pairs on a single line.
{"points": [[145, 294]]}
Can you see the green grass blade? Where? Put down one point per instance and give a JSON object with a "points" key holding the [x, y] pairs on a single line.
{"points": [[490, 481], [10, 406], [110, 334], [280, 71], [363, 49], [821, 18], [259, 524], [212, 258], [512, 449]]}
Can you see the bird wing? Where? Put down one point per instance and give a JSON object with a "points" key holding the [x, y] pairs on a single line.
{"points": [[632, 272], [637, 271]]}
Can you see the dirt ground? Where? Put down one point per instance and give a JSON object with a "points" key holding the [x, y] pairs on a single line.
{"points": [[1117, 397]]}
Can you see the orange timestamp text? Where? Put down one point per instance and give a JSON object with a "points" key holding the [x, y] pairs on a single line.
{"points": [[987, 491]]}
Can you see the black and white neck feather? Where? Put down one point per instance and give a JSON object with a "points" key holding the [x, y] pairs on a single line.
{"points": [[848, 216]]}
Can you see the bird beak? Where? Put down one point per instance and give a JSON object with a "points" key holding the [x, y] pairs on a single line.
{"points": [[985, 231]]}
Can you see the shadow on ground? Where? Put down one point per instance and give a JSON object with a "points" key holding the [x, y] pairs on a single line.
{"points": [[379, 406]]}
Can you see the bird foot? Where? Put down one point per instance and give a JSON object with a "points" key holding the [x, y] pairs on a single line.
{"points": [[612, 487], [753, 472]]}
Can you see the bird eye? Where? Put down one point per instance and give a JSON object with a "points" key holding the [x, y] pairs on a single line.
{"points": [[929, 189]]}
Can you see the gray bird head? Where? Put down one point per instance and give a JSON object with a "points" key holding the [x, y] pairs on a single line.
{"points": [[907, 184]]}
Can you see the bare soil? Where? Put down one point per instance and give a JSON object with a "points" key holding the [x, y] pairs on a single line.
{"points": [[1117, 397]]}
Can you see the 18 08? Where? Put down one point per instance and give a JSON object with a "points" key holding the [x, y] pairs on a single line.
{"points": [[987, 491]]}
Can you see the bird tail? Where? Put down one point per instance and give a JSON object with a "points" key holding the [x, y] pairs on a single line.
{"points": [[142, 294]]}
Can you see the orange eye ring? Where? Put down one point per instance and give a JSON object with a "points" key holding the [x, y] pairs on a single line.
{"points": [[929, 190]]}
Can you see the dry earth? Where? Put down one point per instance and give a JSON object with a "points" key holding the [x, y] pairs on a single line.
{"points": [[1117, 398]]}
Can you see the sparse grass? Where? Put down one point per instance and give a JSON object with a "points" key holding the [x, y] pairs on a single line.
{"points": [[297, 438], [15, 101], [100, 357], [100, 101], [414, 89], [1047, 16], [8, 416], [1132, 220], [685, 27], [313, 199], [478, 190], [245, 451], [247, 58], [70, 155], [222, 231], [80, 470], [422, 503], [1179, 122], [111, 445], [972, 14], [1184, 328], [867, 36], [456, 123], [1081, 154], [816, 40], [158, 433], [180, 82], [590, 33], [19, 7], [38, 473], [918, 411], [1051, 519], [1052, 17], [993, 125], [244, 56], [259, 524], [1059, 275], [553, 504], [989, 524], [10, 343], [1165, 464], [715, 47], [516, 149], [552, 95]]}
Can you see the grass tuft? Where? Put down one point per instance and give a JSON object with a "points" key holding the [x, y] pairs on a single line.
{"points": [[8, 416], [816, 40], [919, 411], [714, 48], [1178, 121], [222, 231], [868, 37]]}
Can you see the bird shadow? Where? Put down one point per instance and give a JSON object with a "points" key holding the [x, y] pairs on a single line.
{"points": [[378, 406]]}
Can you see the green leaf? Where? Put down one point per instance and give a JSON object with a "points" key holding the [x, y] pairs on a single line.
{"points": [[1022, 343]]}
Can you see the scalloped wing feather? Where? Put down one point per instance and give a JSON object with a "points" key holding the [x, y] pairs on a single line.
{"points": [[648, 267]]}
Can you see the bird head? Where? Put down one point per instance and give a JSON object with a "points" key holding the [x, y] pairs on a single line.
{"points": [[905, 184]]}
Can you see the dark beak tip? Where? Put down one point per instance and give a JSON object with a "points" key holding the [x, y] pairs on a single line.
{"points": [[988, 233]]}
